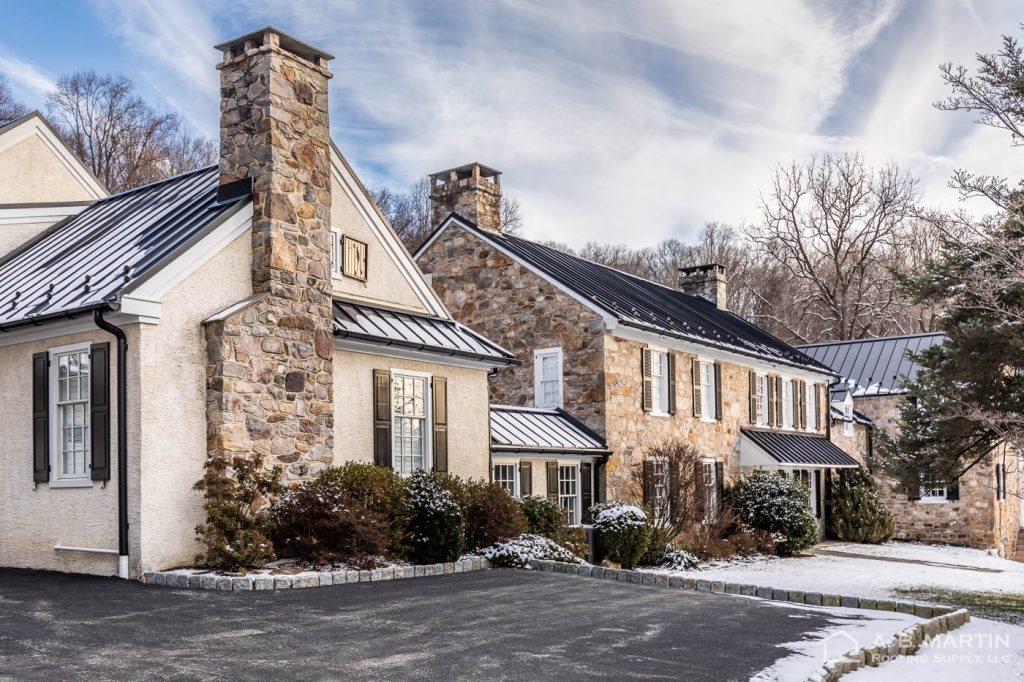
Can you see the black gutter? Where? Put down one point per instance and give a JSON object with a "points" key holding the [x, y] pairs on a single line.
{"points": [[601, 452], [37, 320], [122, 438]]}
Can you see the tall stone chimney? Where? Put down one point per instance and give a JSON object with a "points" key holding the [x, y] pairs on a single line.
{"points": [[473, 191], [706, 281], [270, 374]]}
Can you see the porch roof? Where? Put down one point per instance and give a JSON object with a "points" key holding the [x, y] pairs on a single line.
{"points": [[527, 429], [797, 449]]}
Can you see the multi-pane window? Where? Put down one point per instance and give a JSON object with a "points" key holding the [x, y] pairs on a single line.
{"points": [[568, 492], [410, 427], [661, 503], [708, 399], [659, 382], [933, 491], [548, 377], [762, 400], [812, 407], [711, 501], [787, 404], [505, 476], [72, 413], [848, 418]]}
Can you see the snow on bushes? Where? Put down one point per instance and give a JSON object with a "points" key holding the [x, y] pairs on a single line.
{"points": [[768, 502], [621, 532], [675, 559], [518, 552], [435, 520]]}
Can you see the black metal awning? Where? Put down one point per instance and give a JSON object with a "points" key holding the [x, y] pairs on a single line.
{"points": [[799, 449]]}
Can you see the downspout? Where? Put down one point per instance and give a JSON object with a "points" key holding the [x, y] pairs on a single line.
{"points": [[122, 440]]}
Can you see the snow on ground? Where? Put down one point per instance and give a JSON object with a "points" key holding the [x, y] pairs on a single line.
{"points": [[874, 578], [982, 650], [848, 630]]}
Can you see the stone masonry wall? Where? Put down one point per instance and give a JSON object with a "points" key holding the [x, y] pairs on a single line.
{"points": [[270, 386], [495, 296]]}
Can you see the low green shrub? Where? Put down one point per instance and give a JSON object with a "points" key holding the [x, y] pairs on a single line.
{"points": [[435, 520], [236, 495], [621, 532], [544, 517], [854, 510], [380, 490], [490, 515], [768, 502], [320, 522]]}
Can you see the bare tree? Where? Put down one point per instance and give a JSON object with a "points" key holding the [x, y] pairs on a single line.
{"points": [[123, 140], [830, 224], [10, 108]]}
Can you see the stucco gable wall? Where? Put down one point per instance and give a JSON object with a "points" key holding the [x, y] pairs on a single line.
{"points": [[30, 172]]}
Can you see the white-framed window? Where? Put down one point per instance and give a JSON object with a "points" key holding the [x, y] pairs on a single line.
{"points": [[762, 400], [337, 254], [410, 421], [848, 417], [661, 503], [659, 382], [933, 491], [708, 398], [506, 476], [547, 377], [569, 492], [812, 407], [711, 486], [70, 409], [788, 404]]}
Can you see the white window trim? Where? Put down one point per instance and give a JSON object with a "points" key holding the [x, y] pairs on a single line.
{"points": [[516, 476], [428, 409], [538, 393], [662, 394], [579, 488], [56, 480], [848, 415], [934, 499], [811, 407], [708, 397], [788, 403], [762, 399], [337, 255]]}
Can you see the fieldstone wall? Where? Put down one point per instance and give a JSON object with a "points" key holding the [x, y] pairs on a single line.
{"points": [[270, 386], [497, 297]]}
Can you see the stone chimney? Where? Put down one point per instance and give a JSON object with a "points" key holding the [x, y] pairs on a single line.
{"points": [[706, 281], [473, 191], [270, 373]]}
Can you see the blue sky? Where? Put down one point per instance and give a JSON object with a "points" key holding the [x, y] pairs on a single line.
{"points": [[615, 121]]}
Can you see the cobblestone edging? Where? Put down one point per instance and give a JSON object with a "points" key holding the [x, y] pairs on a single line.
{"points": [[906, 643], [264, 581], [793, 596]]}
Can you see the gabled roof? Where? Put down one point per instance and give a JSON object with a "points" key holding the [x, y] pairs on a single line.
{"points": [[410, 331], [858, 416], [527, 429], [799, 449], [88, 259], [640, 303], [35, 123], [873, 366]]}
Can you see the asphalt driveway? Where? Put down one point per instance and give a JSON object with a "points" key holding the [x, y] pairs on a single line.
{"points": [[496, 625]]}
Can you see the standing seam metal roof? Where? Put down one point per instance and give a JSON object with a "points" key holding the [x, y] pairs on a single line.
{"points": [[533, 429], [873, 366], [798, 448], [86, 260]]}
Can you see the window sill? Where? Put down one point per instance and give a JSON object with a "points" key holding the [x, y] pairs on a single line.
{"points": [[71, 483], [708, 420], [654, 413], [933, 500]]}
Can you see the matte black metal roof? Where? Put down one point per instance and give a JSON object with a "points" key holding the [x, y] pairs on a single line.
{"points": [[88, 259], [799, 448], [646, 305], [424, 333], [858, 416], [538, 430], [873, 366]]}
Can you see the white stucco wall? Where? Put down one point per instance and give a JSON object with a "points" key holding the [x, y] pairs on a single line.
{"points": [[30, 172], [12, 236], [385, 281], [468, 415]]}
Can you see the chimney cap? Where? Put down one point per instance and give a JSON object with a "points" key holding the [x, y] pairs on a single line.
{"points": [[286, 41], [466, 171], [693, 269]]}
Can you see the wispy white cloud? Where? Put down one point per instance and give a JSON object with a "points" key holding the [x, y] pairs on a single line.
{"points": [[612, 121], [28, 82]]}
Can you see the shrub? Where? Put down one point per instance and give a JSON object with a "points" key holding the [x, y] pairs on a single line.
{"points": [[490, 515], [435, 520], [660, 542], [768, 502], [320, 522], [676, 559], [544, 517], [236, 494], [380, 490], [854, 510], [518, 552], [621, 532]]}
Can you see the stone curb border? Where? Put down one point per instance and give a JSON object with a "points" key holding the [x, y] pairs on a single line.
{"points": [[263, 581], [905, 643], [793, 596]]}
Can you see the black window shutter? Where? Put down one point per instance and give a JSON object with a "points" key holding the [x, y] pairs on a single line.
{"points": [[752, 402], [382, 417], [40, 417], [552, 473], [586, 489], [700, 493], [953, 490], [770, 398], [647, 471], [817, 407], [720, 484], [439, 388], [646, 395], [718, 391], [671, 362], [99, 400], [912, 490], [525, 479], [817, 493], [695, 380]]}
